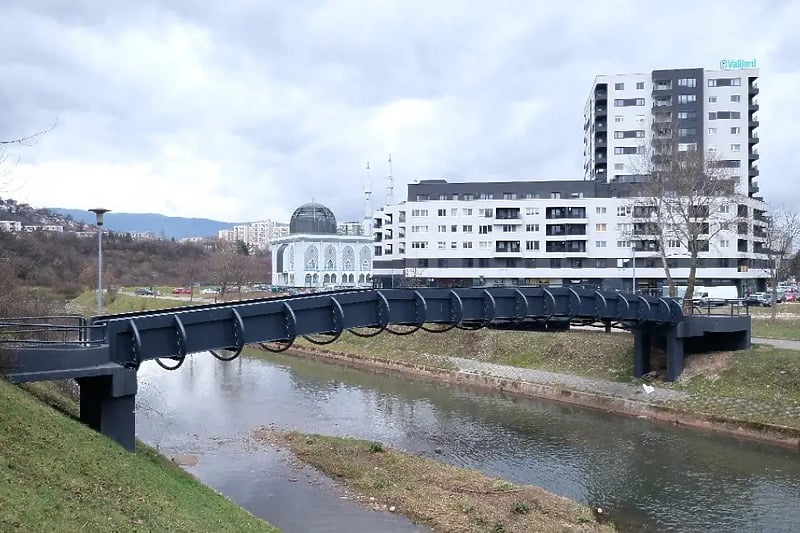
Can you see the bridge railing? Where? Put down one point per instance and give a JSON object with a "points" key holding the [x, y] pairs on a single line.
{"points": [[48, 330]]}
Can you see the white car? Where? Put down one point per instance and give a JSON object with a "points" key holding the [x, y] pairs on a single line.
{"points": [[210, 291]]}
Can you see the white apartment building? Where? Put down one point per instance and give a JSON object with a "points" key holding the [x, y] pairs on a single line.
{"points": [[714, 111], [256, 234], [557, 233], [11, 225]]}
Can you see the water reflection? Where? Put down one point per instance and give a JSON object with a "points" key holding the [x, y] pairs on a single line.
{"points": [[654, 476]]}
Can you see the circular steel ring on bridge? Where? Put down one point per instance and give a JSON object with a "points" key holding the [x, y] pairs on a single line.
{"points": [[520, 306], [544, 306], [573, 312], [181, 356], [456, 317], [338, 312], [667, 309], [419, 304], [291, 332], [383, 315], [137, 346], [598, 314], [620, 313], [490, 311], [238, 333], [643, 316]]}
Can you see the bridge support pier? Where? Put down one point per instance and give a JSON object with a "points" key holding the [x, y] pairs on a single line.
{"points": [[108, 405], [641, 352], [675, 354]]}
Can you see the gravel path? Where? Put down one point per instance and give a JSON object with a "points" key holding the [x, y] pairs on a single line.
{"points": [[598, 386], [778, 343]]}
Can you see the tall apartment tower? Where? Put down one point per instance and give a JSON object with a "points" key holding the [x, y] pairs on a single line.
{"points": [[714, 111]]}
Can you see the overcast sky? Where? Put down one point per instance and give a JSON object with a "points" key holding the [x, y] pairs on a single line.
{"points": [[244, 109]]}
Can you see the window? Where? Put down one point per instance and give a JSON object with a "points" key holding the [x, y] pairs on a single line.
{"points": [[686, 132], [712, 149], [687, 98], [687, 82], [673, 243], [423, 198], [735, 130], [483, 230], [640, 101], [600, 227], [419, 244], [599, 210], [531, 195], [442, 197], [712, 131], [509, 196], [454, 212], [509, 228], [531, 211], [736, 148], [623, 244], [626, 150], [469, 197], [487, 196], [736, 82], [419, 212], [466, 244], [724, 208], [619, 118], [467, 228], [442, 229], [619, 86], [599, 244], [687, 147], [712, 99], [555, 195], [485, 245], [639, 85], [441, 212], [419, 229], [619, 166], [531, 227], [712, 116], [483, 262], [453, 228], [532, 246], [724, 243], [455, 196], [486, 213], [441, 245], [466, 212], [736, 98], [453, 245]]}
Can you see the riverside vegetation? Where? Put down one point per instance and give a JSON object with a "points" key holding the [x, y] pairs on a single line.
{"points": [[443, 497]]}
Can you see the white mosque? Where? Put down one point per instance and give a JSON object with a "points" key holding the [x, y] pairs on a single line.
{"points": [[318, 253]]}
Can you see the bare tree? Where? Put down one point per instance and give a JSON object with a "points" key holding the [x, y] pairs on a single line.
{"points": [[782, 232], [27, 140], [685, 197]]}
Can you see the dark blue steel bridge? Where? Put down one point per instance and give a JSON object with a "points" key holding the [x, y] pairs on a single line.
{"points": [[104, 352]]}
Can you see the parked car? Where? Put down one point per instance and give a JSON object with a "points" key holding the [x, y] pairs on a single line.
{"points": [[181, 290], [759, 299], [210, 290], [143, 291], [791, 296]]}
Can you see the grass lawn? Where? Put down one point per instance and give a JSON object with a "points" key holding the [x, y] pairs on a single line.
{"points": [[444, 497], [86, 303], [58, 475], [587, 353]]}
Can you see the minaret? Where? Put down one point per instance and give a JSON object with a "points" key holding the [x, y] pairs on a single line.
{"points": [[390, 184], [367, 224]]}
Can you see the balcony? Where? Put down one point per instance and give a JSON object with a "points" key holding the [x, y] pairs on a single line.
{"points": [[565, 230], [753, 89], [753, 138], [741, 245], [754, 106], [661, 88], [507, 247], [600, 126], [554, 213], [566, 247], [600, 111], [753, 154], [601, 95], [753, 122], [511, 214], [753, 173]]}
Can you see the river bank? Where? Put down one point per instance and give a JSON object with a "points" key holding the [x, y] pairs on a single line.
{"points": [[753, 394], [59, 475]]}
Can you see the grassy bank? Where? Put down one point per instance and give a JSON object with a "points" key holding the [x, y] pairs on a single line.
{"points": [[86, 303], [58, 475], [587, 353], [786, 324], [443, 497]]}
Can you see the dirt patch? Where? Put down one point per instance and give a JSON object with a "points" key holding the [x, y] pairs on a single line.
{"points": [[184, 459], [444, 497], [708, 365]]}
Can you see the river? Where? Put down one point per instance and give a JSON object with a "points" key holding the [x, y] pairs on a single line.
{"points": [[647, 476]]}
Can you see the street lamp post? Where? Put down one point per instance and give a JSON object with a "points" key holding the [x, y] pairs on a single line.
{"points": [[99, 212]]}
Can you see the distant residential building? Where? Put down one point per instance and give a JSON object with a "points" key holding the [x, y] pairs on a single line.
{"points": [[142, 235], [255, 234], [31, 228], [53, 227], [10, 225], [350, 228]]}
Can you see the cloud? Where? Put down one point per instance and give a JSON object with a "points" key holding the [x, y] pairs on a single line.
{"points": [[242, 111]]}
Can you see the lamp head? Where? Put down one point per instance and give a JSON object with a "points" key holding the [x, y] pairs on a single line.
{"points": [[99, 212]]}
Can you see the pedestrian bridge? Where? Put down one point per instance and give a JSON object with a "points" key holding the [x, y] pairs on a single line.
{"points": [[103, 353]]}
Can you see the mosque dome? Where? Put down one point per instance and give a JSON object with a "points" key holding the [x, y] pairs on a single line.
{"points": [[313, 218]]}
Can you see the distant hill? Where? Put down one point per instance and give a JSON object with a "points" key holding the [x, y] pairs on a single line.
{"points": [[177, 227]]}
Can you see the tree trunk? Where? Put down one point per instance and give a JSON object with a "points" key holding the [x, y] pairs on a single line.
{"points": [[689, 295], [670, 282], [774, 280]]}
